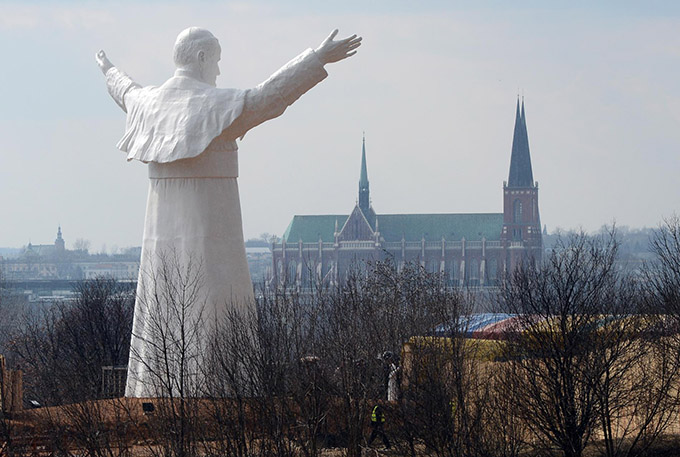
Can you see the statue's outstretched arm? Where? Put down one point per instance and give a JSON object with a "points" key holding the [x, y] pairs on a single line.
{"points": [[271, 98], [103, 61], [117, 82], [330, 51]]}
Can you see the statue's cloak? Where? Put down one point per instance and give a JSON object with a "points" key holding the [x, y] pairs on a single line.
{"points": [[177, 120]]}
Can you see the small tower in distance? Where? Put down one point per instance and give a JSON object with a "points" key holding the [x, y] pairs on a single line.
{"points": [[59, 244], [521, 220]]}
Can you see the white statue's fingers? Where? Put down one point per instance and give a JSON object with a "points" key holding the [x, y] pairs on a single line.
{"points": [[332, 35]]}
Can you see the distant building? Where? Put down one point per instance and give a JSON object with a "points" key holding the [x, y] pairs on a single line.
{"points": [[55, 262], [52, 252], [259, 263], [468, 249], [49, 272]]}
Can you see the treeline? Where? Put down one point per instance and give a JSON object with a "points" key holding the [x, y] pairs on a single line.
{"points": [[591, 360]]}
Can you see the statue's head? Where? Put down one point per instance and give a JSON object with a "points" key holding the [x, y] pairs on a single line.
{"points": [[198, 51]]}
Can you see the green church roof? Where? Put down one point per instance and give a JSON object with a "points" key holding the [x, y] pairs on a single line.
{"points": [[435, 226], [411, 226], [310, 228]]}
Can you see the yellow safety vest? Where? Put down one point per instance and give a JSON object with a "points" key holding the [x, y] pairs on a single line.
{"points": [[377, 416]]}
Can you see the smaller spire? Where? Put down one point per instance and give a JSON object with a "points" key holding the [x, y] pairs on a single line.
{"points": [[363, 179], [364, 193]]}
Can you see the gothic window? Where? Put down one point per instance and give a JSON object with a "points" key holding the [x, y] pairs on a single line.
{"points": [[307, 271], [451, 267], [492, 278], [433, 266], [279, 269], [292, 271], [474, 272], [517, 212], [517, 234]]}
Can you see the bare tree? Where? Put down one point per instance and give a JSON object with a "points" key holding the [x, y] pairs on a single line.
{"points": [[81, 245], [268, 237], [636, 392], [558, 306], [352, 338], [231, 384], [11, 307], [447, 391], [373, 315], [63, 348], [504, 431], [312, 366], [173, 329], [663, 276], [269, 396], [583, 355]]}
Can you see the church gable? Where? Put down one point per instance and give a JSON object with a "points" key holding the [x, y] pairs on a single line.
{"points": [[356, 228]]}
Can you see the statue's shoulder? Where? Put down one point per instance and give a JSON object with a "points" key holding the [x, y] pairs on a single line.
{"points": [[188, 94], [193, 85], [186, 83]]}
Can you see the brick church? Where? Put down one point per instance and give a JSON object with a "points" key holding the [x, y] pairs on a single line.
{"points": [[470, 250]]}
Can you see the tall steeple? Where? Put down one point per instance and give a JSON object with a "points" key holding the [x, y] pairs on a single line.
{"points": [[521, 218], [520, 161], [364, 200]]}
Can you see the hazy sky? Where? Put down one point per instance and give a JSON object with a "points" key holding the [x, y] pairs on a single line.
{"points": [[433, 86]]}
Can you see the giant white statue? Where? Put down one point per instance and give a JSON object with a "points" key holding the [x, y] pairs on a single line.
{"points": [[186, 131]]}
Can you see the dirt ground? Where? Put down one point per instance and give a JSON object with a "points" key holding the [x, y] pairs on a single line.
{"points": [[29, 430]]}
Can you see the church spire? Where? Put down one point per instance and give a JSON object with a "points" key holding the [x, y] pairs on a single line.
{"points": [[520, 161], [59, 242], [364, 201]]}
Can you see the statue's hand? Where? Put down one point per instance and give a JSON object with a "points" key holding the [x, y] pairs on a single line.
{"points": [[103, 61], [333, 51]]}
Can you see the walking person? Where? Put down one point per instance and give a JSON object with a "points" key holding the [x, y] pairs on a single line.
{"points": [[377, 425]]}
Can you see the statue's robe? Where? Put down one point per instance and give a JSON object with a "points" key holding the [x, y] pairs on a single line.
{"points": [[186, 131]]}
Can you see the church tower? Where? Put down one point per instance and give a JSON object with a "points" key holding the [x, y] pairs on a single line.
{"points": [[364, 194], [59, 244], [521, 220]]}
